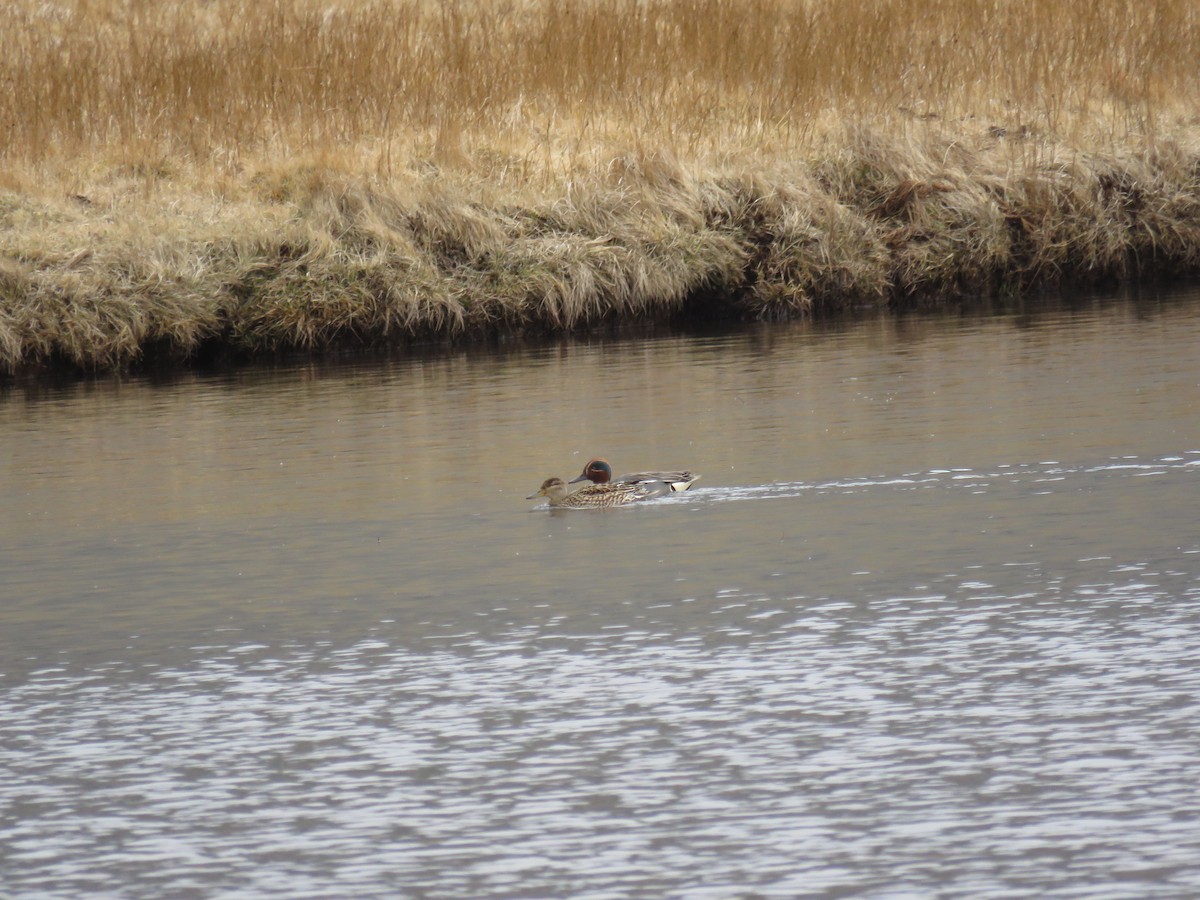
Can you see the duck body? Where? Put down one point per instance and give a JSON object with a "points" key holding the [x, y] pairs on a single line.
{"points": [[594, 496], [599, 472]]}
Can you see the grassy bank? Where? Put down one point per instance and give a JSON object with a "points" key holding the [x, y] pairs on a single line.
{"points": [[186, 178]]}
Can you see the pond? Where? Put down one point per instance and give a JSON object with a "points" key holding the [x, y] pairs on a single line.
{"points": [[929, 623]]}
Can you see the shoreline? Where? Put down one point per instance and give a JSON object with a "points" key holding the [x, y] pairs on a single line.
{"points": [[319, 260]]}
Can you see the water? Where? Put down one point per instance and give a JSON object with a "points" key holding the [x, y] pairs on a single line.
{"points": [[929, 625]]}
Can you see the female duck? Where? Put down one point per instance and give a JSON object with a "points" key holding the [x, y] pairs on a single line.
{"points": [[591, 497], [657, 484]]}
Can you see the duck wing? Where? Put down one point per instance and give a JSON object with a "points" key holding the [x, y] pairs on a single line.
{"points": [[660, 482]]}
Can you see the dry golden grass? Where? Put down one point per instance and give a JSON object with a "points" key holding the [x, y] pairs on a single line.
{"points": [[295, 173], [539, 88]]}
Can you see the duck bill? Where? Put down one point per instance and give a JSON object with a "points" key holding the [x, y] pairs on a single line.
{"points": [[577, 479]]}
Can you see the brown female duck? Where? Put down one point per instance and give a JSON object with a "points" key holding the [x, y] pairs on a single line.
{"points": [[594, 496]]}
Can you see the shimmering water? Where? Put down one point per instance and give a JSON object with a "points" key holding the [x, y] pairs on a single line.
{"points": [[928, 626]]}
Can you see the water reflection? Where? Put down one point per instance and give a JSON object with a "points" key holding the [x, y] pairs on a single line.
{"points": [[928, 625]]}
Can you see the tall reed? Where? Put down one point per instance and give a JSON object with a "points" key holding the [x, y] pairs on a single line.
{"points": [[540, 86]]}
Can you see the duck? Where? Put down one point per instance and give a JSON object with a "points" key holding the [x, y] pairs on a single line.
{"points": [[594, 496], [600, 472]]}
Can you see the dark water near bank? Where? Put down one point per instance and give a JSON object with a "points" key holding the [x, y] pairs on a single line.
{"points": [[928, 626]]}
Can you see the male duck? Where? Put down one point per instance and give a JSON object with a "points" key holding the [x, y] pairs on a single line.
{"points": [[657, 483], [591, 497]]}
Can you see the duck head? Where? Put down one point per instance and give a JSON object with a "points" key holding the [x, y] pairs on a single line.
{"points": [[552, 488], [597, 471]]}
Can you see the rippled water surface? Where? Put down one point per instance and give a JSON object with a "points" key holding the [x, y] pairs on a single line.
{"points": [[929, 625]]}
